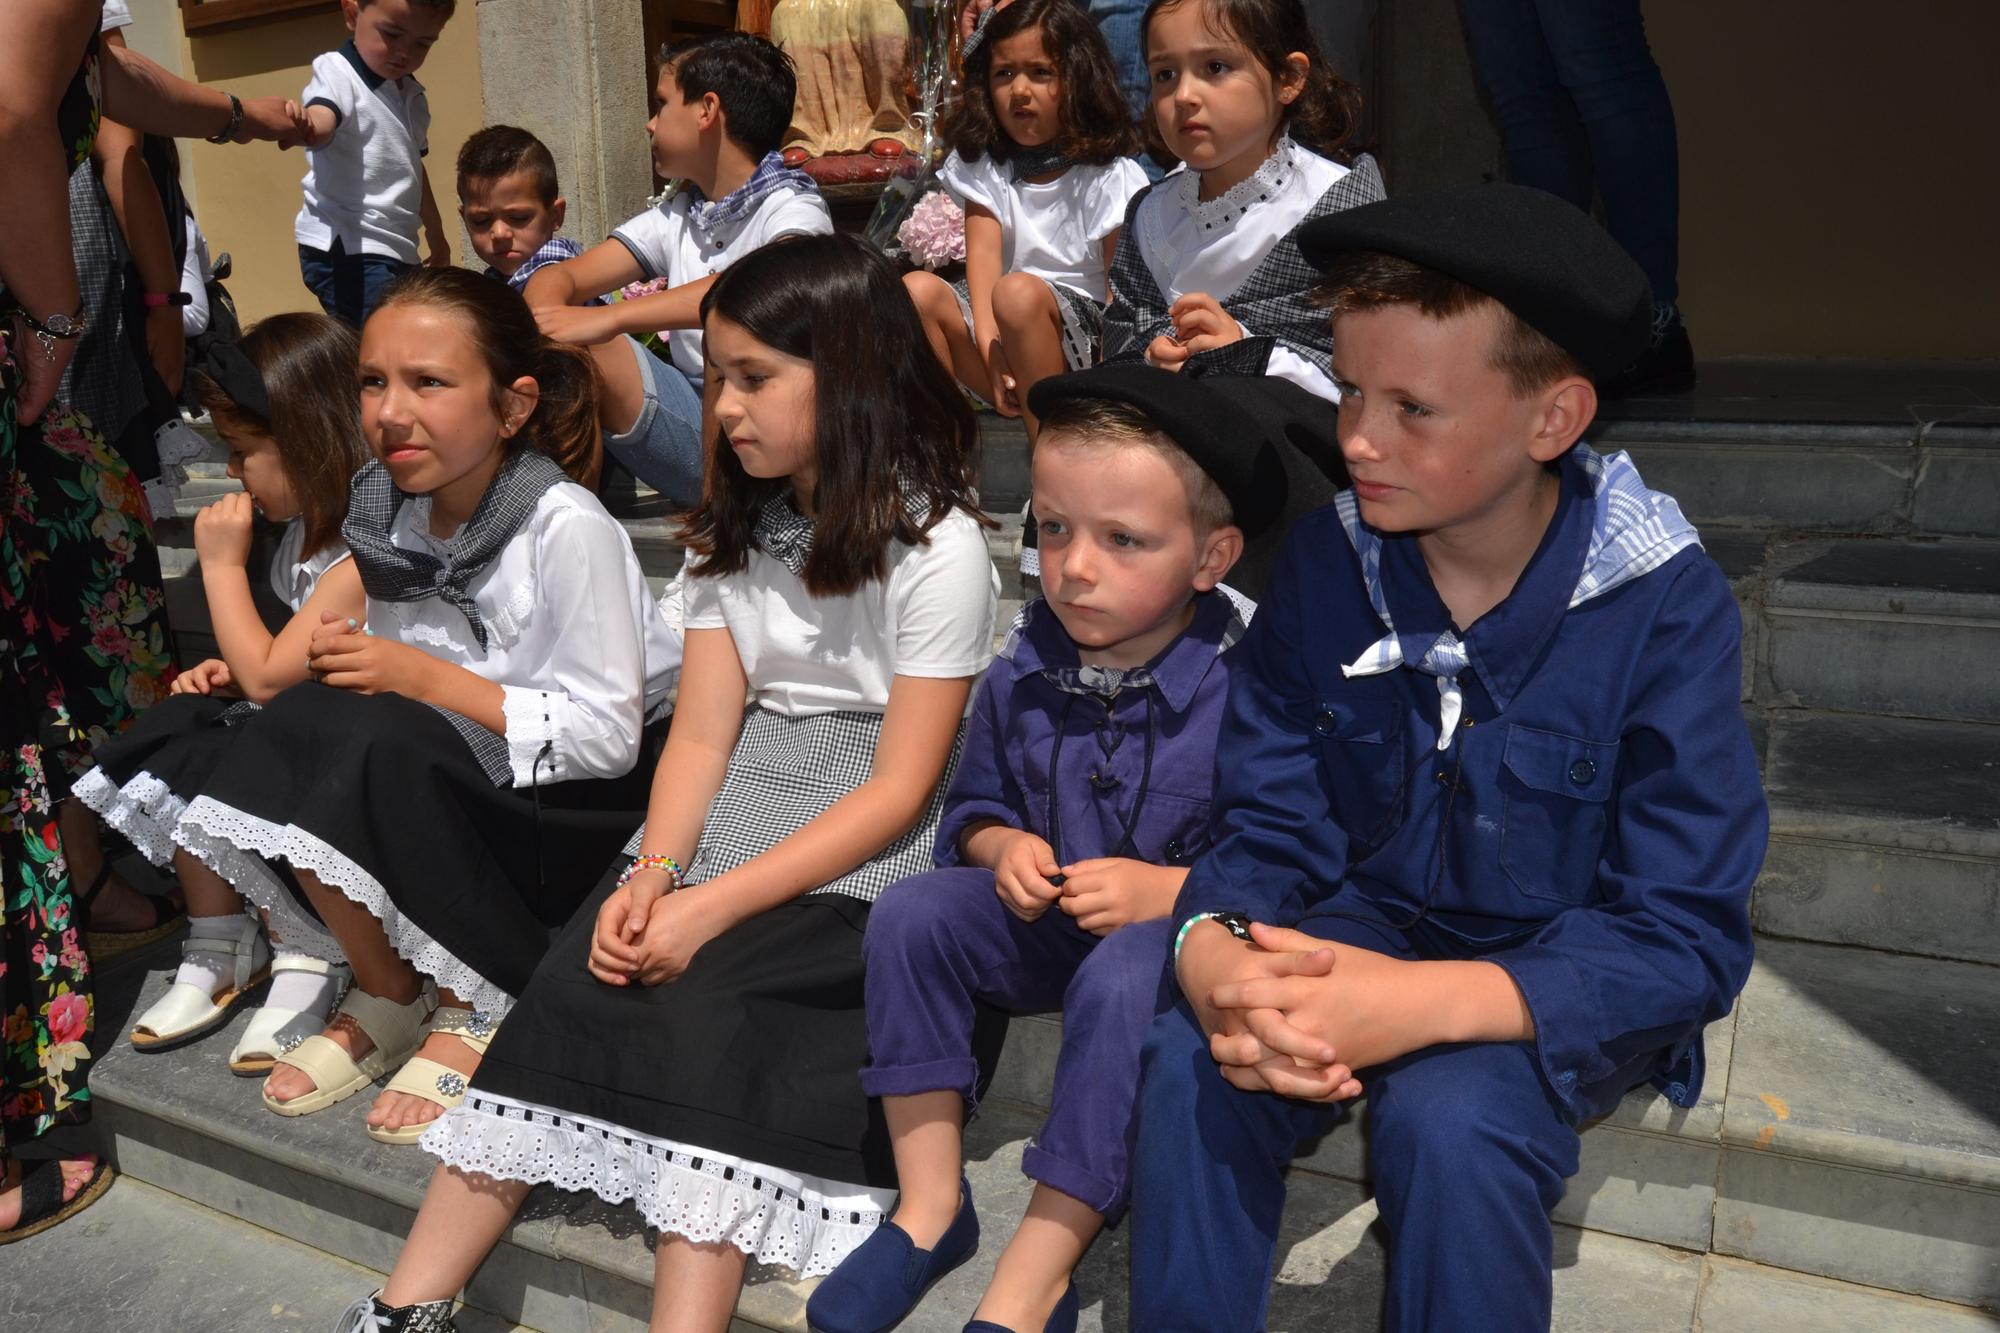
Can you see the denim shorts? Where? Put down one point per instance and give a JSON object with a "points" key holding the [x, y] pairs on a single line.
{"points": [[663, 448]]}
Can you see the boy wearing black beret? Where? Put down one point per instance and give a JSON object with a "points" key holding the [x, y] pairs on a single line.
{"points": [[1487, 813], [1081, 795]]}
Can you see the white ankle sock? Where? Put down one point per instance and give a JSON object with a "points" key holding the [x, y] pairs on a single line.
{"points": [[210, 970], [301, 992]]}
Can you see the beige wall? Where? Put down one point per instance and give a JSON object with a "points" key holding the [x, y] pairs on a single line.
{"points": [[1840, 180], [249, 193]]}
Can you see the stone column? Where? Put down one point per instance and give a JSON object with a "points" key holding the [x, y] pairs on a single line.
{"points": [[575, 76]]}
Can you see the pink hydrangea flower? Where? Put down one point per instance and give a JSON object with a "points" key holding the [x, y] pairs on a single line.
{"points": [[934, 233]]}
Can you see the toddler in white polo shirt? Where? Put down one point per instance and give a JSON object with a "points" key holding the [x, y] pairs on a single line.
{"points": [[365, 189]]}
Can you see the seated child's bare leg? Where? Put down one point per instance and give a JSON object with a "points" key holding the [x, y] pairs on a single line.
{"points": [[393, 1110], [461, 1219], [621, 391], [1031, 330], [926, 1132], [378, 970], [1035, 1268], [944, 325], [208, 894], [702, 1281]]}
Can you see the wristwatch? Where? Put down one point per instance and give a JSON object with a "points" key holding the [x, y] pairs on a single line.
{"points": [[235, 120], [54, 329]]}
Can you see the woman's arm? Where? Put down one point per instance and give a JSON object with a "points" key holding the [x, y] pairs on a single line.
{"points": [[139, 93], [41, 42]]}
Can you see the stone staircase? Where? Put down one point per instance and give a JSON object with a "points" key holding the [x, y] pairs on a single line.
{"points": [[1842, 1169]]}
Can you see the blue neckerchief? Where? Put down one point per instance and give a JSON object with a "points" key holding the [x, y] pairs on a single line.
{"points": [[708, 217], [1632, 531]]}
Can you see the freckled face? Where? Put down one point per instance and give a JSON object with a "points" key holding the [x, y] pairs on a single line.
{"points": [[1434, 435]]}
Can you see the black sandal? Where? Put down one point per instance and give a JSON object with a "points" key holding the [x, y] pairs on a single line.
{"points": [[166, 918], [42, 1203]]}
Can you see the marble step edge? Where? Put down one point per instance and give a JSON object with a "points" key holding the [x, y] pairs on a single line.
{"points": [[1815, 805]]}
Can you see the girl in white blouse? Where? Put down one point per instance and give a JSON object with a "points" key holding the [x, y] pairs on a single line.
{"points": [[690, 1041], [445, 788], [1041, 160], [1210, 269], [282, 400]]}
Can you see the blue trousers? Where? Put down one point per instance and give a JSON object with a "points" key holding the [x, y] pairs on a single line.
{"points": [[1468, 1149], [349, 287], [1581, 104], [941, 941]]}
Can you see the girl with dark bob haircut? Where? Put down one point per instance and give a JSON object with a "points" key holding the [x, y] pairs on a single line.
{"points": [[1097, 124]]}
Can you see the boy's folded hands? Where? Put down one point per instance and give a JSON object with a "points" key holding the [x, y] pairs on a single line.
{"points": [[1024, 870], [1112, 891]]}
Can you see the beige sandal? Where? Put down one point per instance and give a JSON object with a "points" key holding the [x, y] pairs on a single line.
{"points": [[395, 1029], [434, 1082]]}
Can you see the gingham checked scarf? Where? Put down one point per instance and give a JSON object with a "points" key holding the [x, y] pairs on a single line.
{"points": [[392, 574], [1274, 301], [786, 535], [1633, 532], [705, 216]]}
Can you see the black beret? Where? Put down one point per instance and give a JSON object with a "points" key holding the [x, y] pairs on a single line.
{"points": [[1539, 256]]}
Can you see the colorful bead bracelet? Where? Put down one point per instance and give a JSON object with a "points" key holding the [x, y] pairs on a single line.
{"points": [[640, 865]]}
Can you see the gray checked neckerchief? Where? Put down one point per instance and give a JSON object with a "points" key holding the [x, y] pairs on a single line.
{"points": [[1275, 300], [391, 573], [786, 535], [706, 217], [1633, 531]]}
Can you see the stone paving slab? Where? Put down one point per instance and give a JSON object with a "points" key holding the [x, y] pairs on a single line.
{"points": [[1740, 1297]]}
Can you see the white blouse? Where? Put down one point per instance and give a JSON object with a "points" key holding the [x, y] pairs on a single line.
{"points": [[295, 575], [1052, 229], [932, 617], [1213, 247], [572, 635]]}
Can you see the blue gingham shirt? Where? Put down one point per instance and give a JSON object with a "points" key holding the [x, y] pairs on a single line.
{"points": [[1607, 820], [554, 251]]}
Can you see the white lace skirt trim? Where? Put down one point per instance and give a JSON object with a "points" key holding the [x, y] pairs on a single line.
{"points": [[777, 1217], [145, 810], [233, 843]]}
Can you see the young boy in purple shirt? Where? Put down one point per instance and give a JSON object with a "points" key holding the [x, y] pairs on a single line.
{"points": [[1080, 799], [1487, 813]]}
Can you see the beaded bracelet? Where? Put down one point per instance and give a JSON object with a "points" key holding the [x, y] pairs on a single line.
{"points": [[1180, 936], [640, 865]]}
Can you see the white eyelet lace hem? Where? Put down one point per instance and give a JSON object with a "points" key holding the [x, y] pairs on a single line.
{"points": [[231, 842], [802, 1223], [145, 810], [1269, 177]]}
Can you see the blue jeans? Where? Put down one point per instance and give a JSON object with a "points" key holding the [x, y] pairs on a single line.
{"points": [[1468, 1148], [1581, 104], [349, 287], [663, 448]]}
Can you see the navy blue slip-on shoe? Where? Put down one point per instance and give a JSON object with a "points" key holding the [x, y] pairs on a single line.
{"points": [[877, 1286], [1062, 1319]]}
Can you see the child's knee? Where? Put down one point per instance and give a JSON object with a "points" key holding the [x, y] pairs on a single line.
{"points": [[1471, 1112], [1174, 1069], [1127, 969], [926, 291], [1019, 298], [914, 917]]}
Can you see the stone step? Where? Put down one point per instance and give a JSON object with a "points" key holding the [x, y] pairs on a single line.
{"points": [[1846, 1131], [1885, 832]]}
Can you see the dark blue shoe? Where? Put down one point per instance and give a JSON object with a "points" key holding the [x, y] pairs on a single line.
{"points": [[878, 1285], [1062, 1319]]}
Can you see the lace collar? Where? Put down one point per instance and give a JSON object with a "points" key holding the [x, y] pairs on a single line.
{"points": [[1271, 176]]}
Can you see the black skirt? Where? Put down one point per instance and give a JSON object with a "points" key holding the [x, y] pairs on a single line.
{"points": [[145, 778], [382, 798]]}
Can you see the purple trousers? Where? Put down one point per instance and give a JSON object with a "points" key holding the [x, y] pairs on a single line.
{"points": [[940, 942]]}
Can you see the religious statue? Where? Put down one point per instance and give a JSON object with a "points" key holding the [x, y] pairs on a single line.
{"points": [[852, 119]]}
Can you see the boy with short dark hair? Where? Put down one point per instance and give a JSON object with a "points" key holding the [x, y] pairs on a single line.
{"points": [[1081, 797], [724, 102], [1488, 814], [365, 189], [511, 204]]}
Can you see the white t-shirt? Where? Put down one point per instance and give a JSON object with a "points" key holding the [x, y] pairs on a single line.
{"points": [[294, 575], [1056, 229], [365, 185], [194, 281], [931, 617], [117, 14], [1213, 247], [572, 634], [667, 247]]}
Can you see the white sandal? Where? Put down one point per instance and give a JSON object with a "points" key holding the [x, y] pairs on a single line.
{"points": [[434, 1082], [274, 1031], [395, 1029], [188, 1011]]}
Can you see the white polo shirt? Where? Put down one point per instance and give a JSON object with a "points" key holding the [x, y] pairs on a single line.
{"points": [[364, 187], [667, 246]]}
